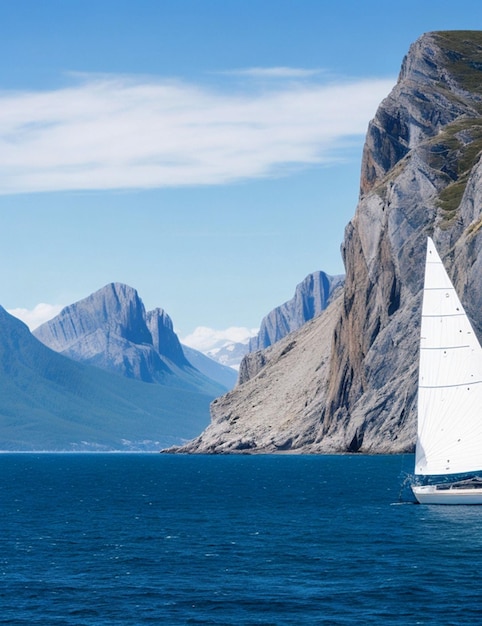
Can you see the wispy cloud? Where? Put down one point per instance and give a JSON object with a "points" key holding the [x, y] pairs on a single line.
{"points": [[275, 72], [38, 315], [205, 339], [119, 132]]}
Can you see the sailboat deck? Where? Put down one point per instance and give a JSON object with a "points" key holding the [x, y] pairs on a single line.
{"points": [[461, 492], [469, 483]]}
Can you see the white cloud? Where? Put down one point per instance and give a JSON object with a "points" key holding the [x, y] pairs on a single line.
{"points": [[119, 132], [206, 339], [38, 315], [275, 72]]}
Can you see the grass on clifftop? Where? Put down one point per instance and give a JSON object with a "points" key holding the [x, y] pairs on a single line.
{"points": [[463, 49]]}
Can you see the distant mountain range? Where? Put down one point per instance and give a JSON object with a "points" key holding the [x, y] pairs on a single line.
{"points": [[312, 296], [230, 354], [223, 374], [104, 374], [111, 330], [51, 402]]}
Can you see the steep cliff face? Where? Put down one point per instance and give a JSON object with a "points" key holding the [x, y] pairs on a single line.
{"points": [[311, 297], [164, 339], [421, 175]]}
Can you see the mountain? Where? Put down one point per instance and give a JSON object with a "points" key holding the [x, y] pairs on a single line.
{"points": [[50, 402], [111, 330], [311, 297], [421, 175], [107, 329], [346, 382], [278, 407], [222, 374], [230, 354]]}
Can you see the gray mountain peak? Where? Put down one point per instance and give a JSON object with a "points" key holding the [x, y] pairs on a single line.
{"points": [[311, 297], [164, 338], [107, 329], [116, 309], [110, 329]]}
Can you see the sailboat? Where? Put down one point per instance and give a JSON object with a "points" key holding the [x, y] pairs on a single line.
{"points": [[448, 455]]}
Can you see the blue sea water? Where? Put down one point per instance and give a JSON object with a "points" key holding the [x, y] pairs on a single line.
{"points": [[153, 539]]}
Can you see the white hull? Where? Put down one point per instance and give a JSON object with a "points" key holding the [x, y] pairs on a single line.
{"points": [[433, 494]]}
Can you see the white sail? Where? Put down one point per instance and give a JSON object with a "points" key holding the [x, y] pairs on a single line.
{"points": [[449, 434]]}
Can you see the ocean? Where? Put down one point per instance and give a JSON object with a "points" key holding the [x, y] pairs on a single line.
{"points": [[100, 539]]}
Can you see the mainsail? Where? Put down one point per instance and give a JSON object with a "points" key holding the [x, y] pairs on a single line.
{"points": [[449, 434]]}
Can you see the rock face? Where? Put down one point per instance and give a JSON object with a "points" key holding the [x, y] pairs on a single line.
{"points": [[164, 339], [50, 402], [311, 297], [111, 330], [279, 408], [107, 329], [421, 175]]}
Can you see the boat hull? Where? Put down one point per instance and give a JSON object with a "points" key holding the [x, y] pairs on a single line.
{"points": [[433, 494]]}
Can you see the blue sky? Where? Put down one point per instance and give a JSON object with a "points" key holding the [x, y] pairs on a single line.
{"points": [[205, 152]]}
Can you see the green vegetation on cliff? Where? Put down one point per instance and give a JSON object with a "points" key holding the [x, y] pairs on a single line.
{"points": [[463, 49]]}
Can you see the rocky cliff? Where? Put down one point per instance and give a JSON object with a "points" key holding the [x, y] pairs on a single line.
{"points": [[279, 408], [420, 175], [163, 337], [311, 297]]}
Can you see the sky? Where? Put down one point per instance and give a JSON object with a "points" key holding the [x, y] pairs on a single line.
{"points": [[205, 152]]}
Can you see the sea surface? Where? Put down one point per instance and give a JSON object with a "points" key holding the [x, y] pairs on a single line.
{"points": [[155, 539]]}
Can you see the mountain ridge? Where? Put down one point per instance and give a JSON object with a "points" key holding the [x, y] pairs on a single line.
{"points": [[111, 329], [311, 296], [51, 402]]}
